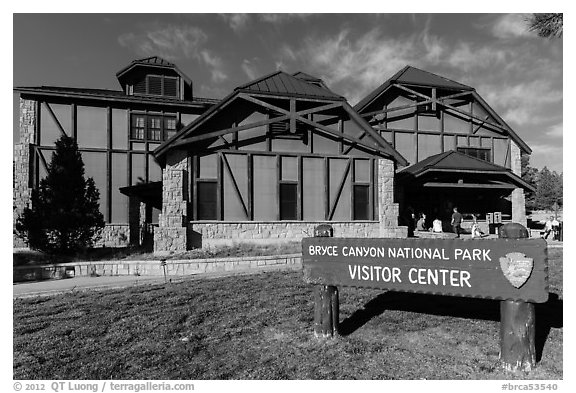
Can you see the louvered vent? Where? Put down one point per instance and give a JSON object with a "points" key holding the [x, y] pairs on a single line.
{"points": [[155, 85], [140, 86], [281, 130], [171, 87]]}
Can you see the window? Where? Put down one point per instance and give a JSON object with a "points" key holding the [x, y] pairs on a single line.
{"points": [[361, 202], [206, 200], [483, 154], [158, 85], [138, 127], [170, 126], [152, 127], [155, 128], [288, 204]]}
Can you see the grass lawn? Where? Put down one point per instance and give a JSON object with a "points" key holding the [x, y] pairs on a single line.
{"points": [[260, 327]]}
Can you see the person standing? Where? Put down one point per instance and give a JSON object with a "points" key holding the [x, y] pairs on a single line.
{"points": [[456, 222], [548, 227]]}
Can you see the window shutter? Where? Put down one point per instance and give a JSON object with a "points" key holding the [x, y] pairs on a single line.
{"points": [[140, 86], [154, 85], [171, 87]]}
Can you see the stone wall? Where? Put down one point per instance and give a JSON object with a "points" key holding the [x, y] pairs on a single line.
{"points": [[114, 235], [171, 235], [206, 234], [517, 197], [388, 210], [22, 159], [173, 268]]}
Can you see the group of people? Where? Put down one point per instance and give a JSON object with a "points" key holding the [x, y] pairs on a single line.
{"points": [[455, 223]]}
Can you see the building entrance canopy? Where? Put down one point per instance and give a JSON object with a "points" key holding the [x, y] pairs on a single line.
{"points": [[453, 169], [149, 193]]}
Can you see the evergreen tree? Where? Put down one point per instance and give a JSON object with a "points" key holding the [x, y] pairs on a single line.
{"points": [[530, 176], [546, 25], [65, 216], [549, 189]]}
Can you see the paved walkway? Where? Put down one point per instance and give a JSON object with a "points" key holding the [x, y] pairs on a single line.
{"points": [[54, 287]]}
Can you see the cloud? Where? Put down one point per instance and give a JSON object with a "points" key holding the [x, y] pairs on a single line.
{"points": [[544, 154], [249, 69], [525, 102], [216, 66], [466, 56], [511, 26], [237, 22], [281, 18], [556, 131], [170, 42], [355, 66]]}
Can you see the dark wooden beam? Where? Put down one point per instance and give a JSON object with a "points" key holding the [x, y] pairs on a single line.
{"points": [[469, 185], [352, 146], [415, 104], [235, 184], [455, 109], [318, 109], [250, 172], [339, 192], [226, 131], [292, 118], [299, 200], [326, 188], [53, 116], [42, 159]]}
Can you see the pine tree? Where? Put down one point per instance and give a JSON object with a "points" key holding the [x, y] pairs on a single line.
{"points": [[546, 25], [549, 189], [65, 215], [530, 176]]}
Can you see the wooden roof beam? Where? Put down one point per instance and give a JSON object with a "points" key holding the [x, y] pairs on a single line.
{"points": [[230, 130], [498, 127], [425, 102]]}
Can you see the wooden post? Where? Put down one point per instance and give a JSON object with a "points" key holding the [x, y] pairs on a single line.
{"points": [[517, 321], [326, 302]]}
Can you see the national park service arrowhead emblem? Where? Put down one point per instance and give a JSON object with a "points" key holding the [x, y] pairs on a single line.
{"points": [[517, 268]]}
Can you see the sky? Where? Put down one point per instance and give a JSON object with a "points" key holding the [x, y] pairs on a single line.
{"points": [[518, 73]]}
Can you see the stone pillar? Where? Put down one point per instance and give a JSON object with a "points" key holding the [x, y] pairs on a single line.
{"points": [[172, 232], [22, 162], [517, 196], [388, 210]]}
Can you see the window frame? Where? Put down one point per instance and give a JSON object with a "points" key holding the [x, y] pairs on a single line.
{"points": [[163, 78], [147, 130], [466, 149]]}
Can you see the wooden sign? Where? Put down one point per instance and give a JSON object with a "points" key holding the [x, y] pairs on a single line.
{"points": [[503, 269]]}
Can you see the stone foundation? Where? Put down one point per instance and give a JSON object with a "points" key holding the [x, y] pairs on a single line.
{"points": [[114, 235], [206, 234]]}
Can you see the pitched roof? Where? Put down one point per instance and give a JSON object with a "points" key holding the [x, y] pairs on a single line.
{"points": [[412, 76], [306, 77], [416, 76], [112, 95], [459, 162], [453, 160], [282, 83], [153, 61]]}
